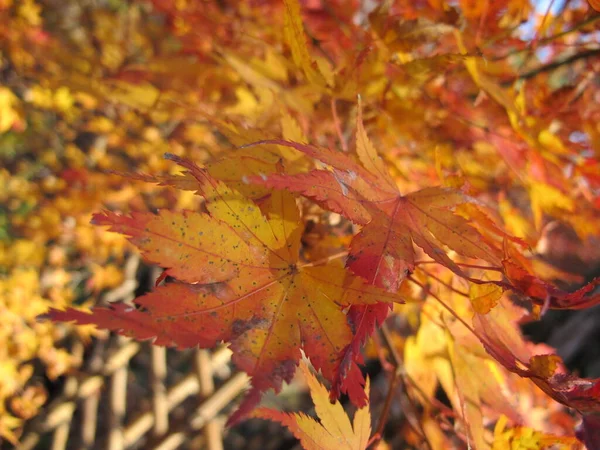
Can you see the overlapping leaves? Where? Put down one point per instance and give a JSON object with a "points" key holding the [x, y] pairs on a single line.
{"points": [[240, 281]]}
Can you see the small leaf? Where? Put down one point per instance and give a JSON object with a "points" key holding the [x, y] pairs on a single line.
{"points": [[334, 432], [484, 297]]}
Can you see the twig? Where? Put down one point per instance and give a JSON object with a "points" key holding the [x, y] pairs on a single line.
{"points": [[445, 305], [555, 65], [394, 382], [535, 41], [325, 260], [549, 39], [384, 413], [447, 285]]}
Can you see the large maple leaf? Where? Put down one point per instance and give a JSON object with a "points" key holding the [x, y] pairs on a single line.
{"points": [[334, 431], [383, 252], [240, 281]]}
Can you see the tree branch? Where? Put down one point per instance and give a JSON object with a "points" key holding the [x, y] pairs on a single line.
{"points": [[553, 65], [556, 64]]}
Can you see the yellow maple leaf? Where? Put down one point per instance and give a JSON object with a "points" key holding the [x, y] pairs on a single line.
{"points": [[296, 40], [484, 297], [524, 438], [333, 431]]}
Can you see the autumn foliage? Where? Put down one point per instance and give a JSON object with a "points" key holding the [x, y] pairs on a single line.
{"points": [[303, 171]]}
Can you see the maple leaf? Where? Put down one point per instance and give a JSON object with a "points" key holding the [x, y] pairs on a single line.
{"points": [[334, 431], [240, 281], [383, 251]]}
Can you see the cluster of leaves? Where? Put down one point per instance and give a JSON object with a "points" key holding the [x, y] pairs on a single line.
{"points": [[480, 142]]}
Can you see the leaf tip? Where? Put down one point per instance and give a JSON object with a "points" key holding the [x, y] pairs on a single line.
{"points": [[99, 219], [40, 318]]}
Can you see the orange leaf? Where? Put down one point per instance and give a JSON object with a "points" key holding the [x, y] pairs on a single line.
{"points": [[242, 282]]}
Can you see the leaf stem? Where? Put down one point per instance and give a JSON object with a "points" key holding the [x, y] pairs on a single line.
{"points": [[556, 64], [394, 382], [549, 39], [385, 411], [445, 305], [325, 260], [439, 280], [471, 266]]}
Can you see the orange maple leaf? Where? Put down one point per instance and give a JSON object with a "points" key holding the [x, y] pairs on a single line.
{"points": [[240, 281], [334, 431]]}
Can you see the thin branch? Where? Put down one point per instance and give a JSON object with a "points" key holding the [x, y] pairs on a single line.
{"points": [[555, 65], [447, 285], [384, 413], [325, 260], [549, 39], [445, 305], [394, 382]]}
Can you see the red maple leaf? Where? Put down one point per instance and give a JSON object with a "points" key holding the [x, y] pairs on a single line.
{"points": [[383, 252]]}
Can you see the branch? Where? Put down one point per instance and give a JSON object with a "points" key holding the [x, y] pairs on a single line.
{"points": [[549, 39], [556, 64]]}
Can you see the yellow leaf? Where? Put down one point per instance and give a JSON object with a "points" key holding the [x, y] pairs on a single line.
{"points": [[141, 96], [552, 142], [8, 423], [494, 90], [484, 297], [545, 198], [326, 70], [105, 277], [291, 130], [63, 100], [335, 431], [250, 74], [30, 11], [544, 365], [366, 151], [247, 103], [296, 40], [524, 438], [469, 394]]}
